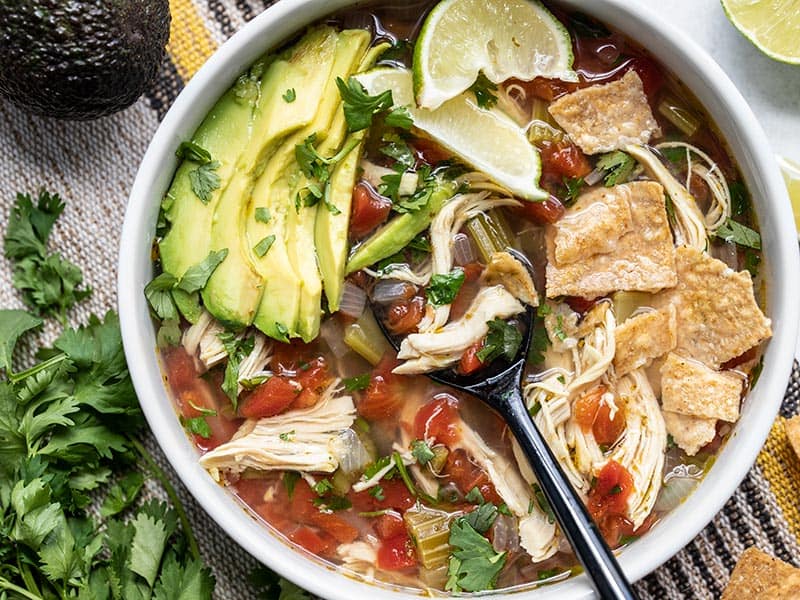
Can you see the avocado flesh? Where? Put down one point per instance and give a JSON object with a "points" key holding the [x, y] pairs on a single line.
{"points": [[225, 132], [397, 233], [331, 230], [234, 290], [291, 302]]}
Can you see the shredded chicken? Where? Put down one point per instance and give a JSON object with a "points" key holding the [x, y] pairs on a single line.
{"points": [[360, 556], [402, 272], [690, 224], [297, 440], [425, 352]]}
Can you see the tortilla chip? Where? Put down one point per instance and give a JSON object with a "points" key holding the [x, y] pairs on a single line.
{"points": [[607, 117], [759, 576], [503, 269], [690, 433], [593, 225], [718, 317], [643, 337], [792, 428], [691, 388], [643, 259]]}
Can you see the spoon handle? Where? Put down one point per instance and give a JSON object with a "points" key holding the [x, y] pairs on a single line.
{"points": [[592, 551]]}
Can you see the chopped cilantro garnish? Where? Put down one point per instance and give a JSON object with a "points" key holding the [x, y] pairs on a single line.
{"points": [[421, 451], [548, 573], [484, 90], [290, 479], [503, 339], [751, 261], [204, 180], [541, 500], [263, 215], [615, 490], [397, 148], [262, 247], [474, 496], [377, 493], [444, 288], [482, 517], [322, 487], [196, 276], [739, 204], [282, 331], [359, 106], [558, 330], [474, 564], [193, 152], [399, 117], [237, 349], [574, 186], [357, 382], [731, 231], [618, 166], [287, 436], [198, 426], [289, 95]]}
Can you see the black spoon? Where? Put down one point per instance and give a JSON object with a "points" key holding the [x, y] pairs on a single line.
{"points": [[502, 392]]}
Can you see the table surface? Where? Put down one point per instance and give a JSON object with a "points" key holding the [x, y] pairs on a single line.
{"points": [[93, 164]]}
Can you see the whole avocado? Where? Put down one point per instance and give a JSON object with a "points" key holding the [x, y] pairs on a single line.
{"points": [[80, 59]]}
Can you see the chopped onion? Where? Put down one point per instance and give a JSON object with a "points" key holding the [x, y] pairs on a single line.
{"points": [[675, 491], [353, 300], [387, 291], [727, 253], [594, 177], [504, 534], [333, 335], [348, 449], [463, 250]]}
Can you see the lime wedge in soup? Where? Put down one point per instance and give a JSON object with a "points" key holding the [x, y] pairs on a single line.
{"points": [[772, 25], [791, 174], [462, 38], [486, 139]]}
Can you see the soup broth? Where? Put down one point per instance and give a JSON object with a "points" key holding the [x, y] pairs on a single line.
{"points": [[389, 483]]}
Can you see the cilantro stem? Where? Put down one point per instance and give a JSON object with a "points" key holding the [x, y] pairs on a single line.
{"points": [[5, 584], [159, 474], [17, 377]]}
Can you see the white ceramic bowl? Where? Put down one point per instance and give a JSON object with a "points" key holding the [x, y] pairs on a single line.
{"points": [[750, 148]]}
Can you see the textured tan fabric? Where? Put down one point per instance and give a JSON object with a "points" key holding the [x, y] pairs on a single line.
{"points": [[92, 165]]}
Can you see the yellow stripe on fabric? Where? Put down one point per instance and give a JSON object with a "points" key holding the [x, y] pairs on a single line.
{"points": [[190, 43], [782, 469]]}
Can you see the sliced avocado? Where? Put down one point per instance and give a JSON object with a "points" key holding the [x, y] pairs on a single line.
{"points": [[234, 291], [397, 233], [225, 133], [291, 302]]}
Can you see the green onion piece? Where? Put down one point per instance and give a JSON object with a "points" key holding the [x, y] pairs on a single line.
{"points": [[676, 112]]}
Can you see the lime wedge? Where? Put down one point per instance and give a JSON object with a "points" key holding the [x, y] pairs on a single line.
{"points": [[487, 140], [772, 25], [791, 174], [501, 38]]}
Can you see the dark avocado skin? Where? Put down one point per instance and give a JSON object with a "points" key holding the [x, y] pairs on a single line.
{"points": [[80, 59]]}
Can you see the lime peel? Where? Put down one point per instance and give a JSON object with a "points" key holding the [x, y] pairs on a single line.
{"points": [[772, 26], [502, 39], [487, 140]]}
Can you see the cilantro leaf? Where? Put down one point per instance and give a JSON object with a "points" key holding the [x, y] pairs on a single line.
{"points": [[503, 339], [618, 166], [263, 215], [400, 117], [474, 565], [149, 540], [204, 180], [289, 96], [262, 247], [198, 426], [159, 296], [193, 152], [422, 452], [196, 276], [122, 494], [29, 226], [444, 288], [739, 202], [359, 107], [13, 324], [574, 186], [484, 89], [357, 382], [731, 231], [189, 581], [481, 518], [541, 500], [397, 148], [475, 496], [237, 349]]}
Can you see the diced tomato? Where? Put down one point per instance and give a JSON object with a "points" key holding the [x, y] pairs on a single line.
{"points": [[370, 209], [580, 305], [302, 502], [270, 398], [429, 152], [382, 397], [289, 358], [389, 525], [564, 159], [472, 271], [608, 499], [397, 553], [395, 496], [548, 89], [546, 212], [403, 316], [180, 371], [438, 420], [466, 475], [469, 360], [314, 379], [312, 541], [334, 525], [591, 413]]}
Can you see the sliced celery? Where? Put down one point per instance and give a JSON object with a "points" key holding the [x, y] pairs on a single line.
{"points": [[342, 482], [366, 338], [490, 232], [430, 531], [676, 112]]}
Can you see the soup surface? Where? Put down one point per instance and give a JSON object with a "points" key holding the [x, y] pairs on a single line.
{"points": [[320, 204]]}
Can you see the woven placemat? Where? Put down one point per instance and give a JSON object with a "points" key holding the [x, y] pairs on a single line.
{"points": [[93, 164]]}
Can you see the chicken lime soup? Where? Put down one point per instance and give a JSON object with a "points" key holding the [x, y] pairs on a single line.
{"points": [[380, 172]]}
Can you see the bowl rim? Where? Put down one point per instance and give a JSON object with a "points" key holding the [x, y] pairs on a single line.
{"points": [[678, 528]]}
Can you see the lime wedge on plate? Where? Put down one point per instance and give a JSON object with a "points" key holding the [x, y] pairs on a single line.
{"points": [[791, 174], [772, 25], [501, 38], [487, 140]]}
